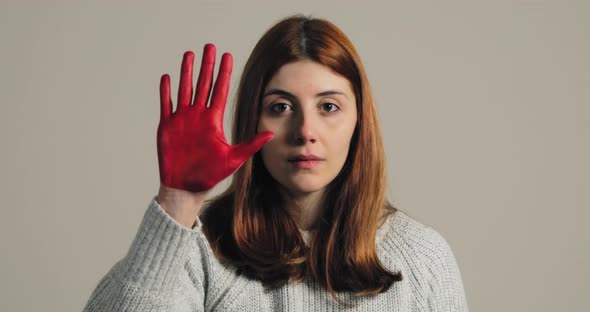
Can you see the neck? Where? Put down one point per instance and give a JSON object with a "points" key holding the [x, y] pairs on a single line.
{"points": [[305, 208]]}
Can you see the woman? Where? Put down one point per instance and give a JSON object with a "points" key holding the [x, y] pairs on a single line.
{"points": [[305, 224]]}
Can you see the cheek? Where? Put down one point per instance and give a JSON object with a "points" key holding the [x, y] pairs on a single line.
{"points": [[342, 145], [267, 149], [278, 127], [341, 142], [266, 124], [343, 129], [269, 153]]}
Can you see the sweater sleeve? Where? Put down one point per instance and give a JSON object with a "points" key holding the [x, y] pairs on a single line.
{"points": [[148, 277], [445, 287]]}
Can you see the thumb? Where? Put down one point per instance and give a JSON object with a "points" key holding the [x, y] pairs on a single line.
{"points": [[241, 152]]}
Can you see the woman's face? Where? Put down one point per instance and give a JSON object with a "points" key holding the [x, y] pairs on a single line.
{"points": [[312, 111]]}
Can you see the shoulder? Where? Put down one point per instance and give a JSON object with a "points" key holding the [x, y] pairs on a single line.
{"points": [[412, 246], [425, 259], [401, 232]]}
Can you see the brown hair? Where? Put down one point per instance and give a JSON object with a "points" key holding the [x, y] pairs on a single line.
{"points": [[248, 226]]}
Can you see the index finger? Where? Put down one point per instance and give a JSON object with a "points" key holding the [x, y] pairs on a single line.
{"points": [[221, 88]]}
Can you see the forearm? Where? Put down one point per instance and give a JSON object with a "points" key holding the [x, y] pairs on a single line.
{"points": [[145, 278]]}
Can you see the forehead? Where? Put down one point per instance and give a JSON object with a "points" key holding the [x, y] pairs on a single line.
{"points": [[308, 76]]}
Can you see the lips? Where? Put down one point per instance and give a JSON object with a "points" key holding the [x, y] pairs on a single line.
{"points": [[305, 157], [305, 161]]}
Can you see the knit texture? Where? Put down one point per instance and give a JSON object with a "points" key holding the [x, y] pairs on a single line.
{"points": [[170, 267]]}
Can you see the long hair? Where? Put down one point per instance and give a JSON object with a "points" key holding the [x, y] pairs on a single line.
{"points": [[248, 225]]}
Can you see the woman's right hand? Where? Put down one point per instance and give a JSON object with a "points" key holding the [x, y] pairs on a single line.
{"points": [[193, 153]]}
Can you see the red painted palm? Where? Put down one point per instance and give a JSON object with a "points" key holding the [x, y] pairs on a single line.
{"points": [[193, 153]]}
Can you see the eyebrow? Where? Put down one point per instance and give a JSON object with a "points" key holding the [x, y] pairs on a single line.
{"points": [[290, 95]]}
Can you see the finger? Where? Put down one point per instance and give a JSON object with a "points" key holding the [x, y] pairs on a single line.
{"points": [[221, 88], [165, 100], [205, 76], [185, 90], [241, 152]]}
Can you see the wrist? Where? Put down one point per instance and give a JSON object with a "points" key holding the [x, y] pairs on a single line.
{"points": [[183, 206]]}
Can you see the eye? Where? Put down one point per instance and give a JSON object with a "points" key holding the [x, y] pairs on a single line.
{"points": [[279, 107], [331, 107]]}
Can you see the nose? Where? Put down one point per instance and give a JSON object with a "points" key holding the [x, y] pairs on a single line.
{"points": [[303, 129]]}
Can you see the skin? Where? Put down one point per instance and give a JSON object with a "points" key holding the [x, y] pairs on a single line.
{"points": [[299, 107]]}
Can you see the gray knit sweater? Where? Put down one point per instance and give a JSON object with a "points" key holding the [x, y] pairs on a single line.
{"points": [[170, 267]]}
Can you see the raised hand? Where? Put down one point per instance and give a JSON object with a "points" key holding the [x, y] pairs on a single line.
{"points": [[193, 153]]}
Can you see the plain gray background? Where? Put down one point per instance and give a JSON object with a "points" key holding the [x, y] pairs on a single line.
{"points": [[484, 108]]}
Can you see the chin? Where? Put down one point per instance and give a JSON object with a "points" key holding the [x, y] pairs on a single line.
{"points": [[304, 188]]}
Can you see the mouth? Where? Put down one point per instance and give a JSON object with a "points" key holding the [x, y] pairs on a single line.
{"points": [[305, 164], [306, 157], [305, 161]]}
